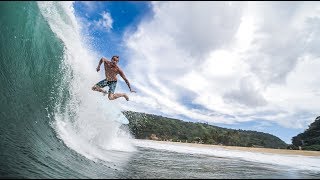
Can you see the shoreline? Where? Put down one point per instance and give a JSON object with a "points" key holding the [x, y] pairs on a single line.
{"points": [[246, 149]]}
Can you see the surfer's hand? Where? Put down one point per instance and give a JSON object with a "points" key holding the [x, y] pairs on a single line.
{"points": [[98, 69]]}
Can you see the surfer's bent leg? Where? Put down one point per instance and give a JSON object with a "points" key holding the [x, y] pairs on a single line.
{"points": [[112, 87], [99, 86], [112, 96]]}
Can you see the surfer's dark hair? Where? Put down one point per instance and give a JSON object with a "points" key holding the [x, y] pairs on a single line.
{"points": [[115, 57]]}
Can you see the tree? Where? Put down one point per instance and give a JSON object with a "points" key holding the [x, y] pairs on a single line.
{"points": [[310, 138]]}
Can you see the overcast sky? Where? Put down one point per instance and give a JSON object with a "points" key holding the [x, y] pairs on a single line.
{"points": [[243, 65]]}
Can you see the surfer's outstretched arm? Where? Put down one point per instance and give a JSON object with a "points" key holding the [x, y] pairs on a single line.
{"points": [[125, 79], [100, 62]]}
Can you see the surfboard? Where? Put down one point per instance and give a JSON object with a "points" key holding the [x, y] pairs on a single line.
{"points": [[111, 111]]}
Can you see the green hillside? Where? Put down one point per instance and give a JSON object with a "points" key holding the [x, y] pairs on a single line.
{"points": [[148, 126], [310, 138]]}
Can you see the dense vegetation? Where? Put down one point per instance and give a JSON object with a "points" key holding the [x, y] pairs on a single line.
{"points": [[310, 138], [148, 126]]}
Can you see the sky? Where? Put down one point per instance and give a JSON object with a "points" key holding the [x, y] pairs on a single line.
{"points": [[241, 65]]}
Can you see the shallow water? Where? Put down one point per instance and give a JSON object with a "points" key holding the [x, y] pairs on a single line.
{"points": [[163, 161]]}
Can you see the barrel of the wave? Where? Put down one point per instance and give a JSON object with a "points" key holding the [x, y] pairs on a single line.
{"points": [[35, 85], [29, 74]]}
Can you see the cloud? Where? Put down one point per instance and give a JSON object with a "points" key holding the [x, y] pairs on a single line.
{"points": [[91, 7], [246, 95], [235, 62], [193, 21], [105, 22]]}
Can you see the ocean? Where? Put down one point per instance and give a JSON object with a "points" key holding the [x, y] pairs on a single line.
{"points": [[51, 125]]}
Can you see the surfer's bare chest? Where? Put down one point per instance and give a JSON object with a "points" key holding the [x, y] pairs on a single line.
{"points": [[111, 71]]}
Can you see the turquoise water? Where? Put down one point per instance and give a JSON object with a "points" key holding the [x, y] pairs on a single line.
{"points": [[31, 78], [51, 126]]}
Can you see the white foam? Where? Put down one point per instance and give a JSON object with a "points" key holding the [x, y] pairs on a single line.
{"points": [[81, 125], [293, 161]]}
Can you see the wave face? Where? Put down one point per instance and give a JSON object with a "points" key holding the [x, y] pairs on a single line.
{"points": [[51, 121]]}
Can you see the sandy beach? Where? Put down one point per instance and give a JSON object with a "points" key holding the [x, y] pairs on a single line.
{"points": [[249, 149]]}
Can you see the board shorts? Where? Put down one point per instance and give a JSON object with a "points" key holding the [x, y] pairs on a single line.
{"points": [[112, 85]]}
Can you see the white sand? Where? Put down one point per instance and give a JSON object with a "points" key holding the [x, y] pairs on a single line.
{"points": [[251, 149]]}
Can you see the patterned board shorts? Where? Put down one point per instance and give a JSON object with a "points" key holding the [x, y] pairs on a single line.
{"points": [[112, 85]]}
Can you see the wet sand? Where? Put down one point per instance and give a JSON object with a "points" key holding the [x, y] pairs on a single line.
{"points": [[249, 149]]}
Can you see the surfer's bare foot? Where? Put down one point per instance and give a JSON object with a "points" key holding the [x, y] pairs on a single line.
{"points": [[125, 96]]}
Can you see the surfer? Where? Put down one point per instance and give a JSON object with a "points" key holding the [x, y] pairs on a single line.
{"points": [[111, 72]]}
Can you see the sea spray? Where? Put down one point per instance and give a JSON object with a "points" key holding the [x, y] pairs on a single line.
{"points": [[80, 123]]}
